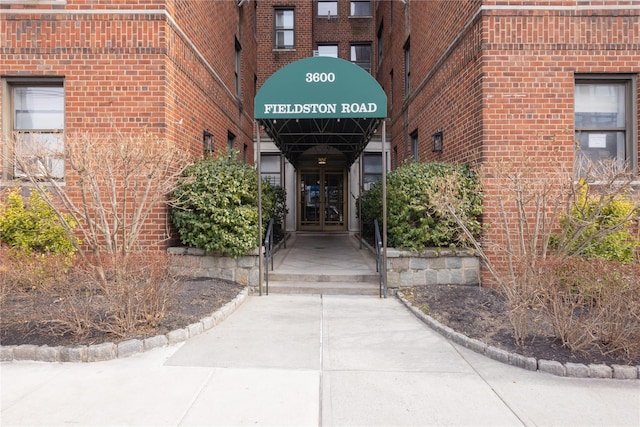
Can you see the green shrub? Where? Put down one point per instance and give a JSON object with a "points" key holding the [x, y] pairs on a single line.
{"points": [[274, 205], [34, 227], [412, 221], [215, 206], [601, 227]]}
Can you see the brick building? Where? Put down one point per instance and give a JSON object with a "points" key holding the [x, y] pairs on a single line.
{"points": [[492, 80]]}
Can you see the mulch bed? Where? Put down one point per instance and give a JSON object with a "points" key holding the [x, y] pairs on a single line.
{"points": [[22, 322], [481, 313]]}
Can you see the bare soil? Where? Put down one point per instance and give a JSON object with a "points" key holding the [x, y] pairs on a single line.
{"points": [[22, 321], [481, 313]]}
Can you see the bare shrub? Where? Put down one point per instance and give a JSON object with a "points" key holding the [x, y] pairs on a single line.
{"points": [[530, 205], [135, 297], [119, 180], [592, 304], [27, 271], [113, 184]]}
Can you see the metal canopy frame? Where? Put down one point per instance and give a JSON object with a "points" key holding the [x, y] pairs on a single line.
{"points": [[295, 136]]}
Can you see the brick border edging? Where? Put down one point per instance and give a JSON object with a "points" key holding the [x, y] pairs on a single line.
{"points": [[575, 370], [110, 351]]}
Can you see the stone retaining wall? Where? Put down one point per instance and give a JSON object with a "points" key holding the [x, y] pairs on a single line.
{"points": [[432, 267], [192, 262]]}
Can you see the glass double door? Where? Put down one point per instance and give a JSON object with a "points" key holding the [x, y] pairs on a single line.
{"points": [[321, 200]]}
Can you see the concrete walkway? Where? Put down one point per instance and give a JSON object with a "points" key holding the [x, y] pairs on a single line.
{"points": [[307, 360]]}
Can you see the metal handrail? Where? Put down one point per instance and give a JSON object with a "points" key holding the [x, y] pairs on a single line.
{"points": [[378, 245], [268, 252]]}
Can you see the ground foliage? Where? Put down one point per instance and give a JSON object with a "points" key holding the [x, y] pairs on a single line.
{"points": [[483, 314], [29, 315]]}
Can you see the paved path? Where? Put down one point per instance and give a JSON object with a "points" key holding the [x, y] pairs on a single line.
{"points": [[306, 360]]}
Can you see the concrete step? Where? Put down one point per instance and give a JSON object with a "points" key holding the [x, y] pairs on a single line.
{"points": [[305, 278], [324, 288]]}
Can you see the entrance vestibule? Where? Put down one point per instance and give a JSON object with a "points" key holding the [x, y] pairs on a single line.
{"points": [[322, 199]]}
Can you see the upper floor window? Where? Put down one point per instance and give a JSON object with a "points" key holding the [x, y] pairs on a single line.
{"points": [[237, 65], [380, 44], [361, 55], [407, 69], [231, 141], [327, 8], [360, 8], [284, 29], [328, 50], [605, 122], [37, 124]]}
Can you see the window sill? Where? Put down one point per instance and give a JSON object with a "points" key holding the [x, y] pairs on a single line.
{"points": [[284, 49], [360, 16]]}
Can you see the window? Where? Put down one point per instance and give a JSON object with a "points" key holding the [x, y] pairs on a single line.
{"points": [[328, 50], [380, 44], [391, 87], [360, 8], [414, 146], [371, 169], [361, 55], [270, 168], [237, 66], [231, 141], [284, 29], [407, 69], [37, 121], [604, 119], [395, 157], [245, 153], [327, 8]]}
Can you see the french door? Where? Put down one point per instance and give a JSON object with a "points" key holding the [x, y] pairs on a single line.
{"points": [[321, 200]]}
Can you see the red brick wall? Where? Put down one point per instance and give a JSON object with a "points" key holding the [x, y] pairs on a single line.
{"points": [[445, 94], [271, 60], [140, 67], [499, 80], [344, 30]]}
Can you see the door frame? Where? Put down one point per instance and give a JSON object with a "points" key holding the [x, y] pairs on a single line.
{"points": [[322, 170]]}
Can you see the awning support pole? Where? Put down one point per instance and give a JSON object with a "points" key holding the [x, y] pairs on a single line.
{"points": [[258, 155], [384, 206]]}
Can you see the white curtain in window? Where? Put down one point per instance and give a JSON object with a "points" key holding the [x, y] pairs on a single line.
{"points": [[39, 107], [606, 99]]}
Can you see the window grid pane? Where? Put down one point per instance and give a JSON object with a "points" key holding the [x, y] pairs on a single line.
{"points": [[328, 50], [360, 8], [361, 55], [327, 8], [38, 107]]}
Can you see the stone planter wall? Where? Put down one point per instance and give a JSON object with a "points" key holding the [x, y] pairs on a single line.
{"points": [[432, 267], [192, 262]]}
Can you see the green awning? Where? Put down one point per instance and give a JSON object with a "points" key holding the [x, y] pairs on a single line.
{"points": [[320, 100]]}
